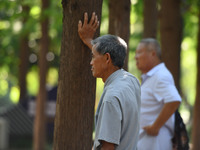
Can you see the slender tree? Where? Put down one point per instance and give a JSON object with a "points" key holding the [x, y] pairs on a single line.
{"points": [[196, 121], [119, 21], [171, 36], [40, 118], [76, 87], [150, 18], [24, 53]]}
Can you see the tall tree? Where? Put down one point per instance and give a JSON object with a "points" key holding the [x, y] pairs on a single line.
{"points": [[171, 36], [24, 53], [119, 21], [150, 12], [40, 118], [76, 87], [196, 121]]}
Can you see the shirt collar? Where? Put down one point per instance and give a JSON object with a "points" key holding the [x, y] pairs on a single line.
{"points": [[152, 71], [112, 77], [155, 69]]}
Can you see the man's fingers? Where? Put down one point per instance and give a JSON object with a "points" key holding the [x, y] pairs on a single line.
{"points": [[95, 22], [79, 25], [96, 25], [85, 18], [92, 20]]}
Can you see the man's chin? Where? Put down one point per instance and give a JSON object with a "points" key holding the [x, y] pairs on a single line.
{"points": [[93, 74]]}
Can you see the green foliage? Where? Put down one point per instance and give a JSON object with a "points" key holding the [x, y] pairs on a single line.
{"points": [[188, 53], [104, 18], [13, 27]]}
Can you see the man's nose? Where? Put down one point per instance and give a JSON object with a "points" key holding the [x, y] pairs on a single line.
{"points": [[91, 62]]}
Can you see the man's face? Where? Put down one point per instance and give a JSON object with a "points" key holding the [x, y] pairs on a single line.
{"points": [[98, 63], [142, 57]]}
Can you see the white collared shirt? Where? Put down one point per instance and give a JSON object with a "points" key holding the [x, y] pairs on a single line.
{"points": [[157, 89]]}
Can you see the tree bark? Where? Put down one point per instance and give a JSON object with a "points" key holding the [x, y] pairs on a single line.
{"points": [[171, 36], [119, 21], [76, 87], [40, 118], [196, 121], [150, 19]]}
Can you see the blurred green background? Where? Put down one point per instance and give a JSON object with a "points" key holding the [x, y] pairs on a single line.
{"points": [[12, 28]]}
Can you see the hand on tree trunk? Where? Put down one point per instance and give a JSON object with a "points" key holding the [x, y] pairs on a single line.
{"points": [[86, 30]]}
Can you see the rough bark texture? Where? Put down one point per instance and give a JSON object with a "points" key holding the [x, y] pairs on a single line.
{"points": [[40, 118], [171, 36], [196, 120], [76, 88], [150, 19], [119, 21]]}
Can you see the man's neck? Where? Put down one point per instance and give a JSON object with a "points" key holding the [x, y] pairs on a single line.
{"points": [[152, 66], [109, 72]]}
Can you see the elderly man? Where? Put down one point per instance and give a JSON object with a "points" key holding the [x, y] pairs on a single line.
{"points": [[117, 116], [159, 98]]}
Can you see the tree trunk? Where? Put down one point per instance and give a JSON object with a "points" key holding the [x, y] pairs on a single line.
{"points": [[150, 19], [171, 36], [196, 120], [40, 118], [24, 53], [119, 21], [76, 87]]}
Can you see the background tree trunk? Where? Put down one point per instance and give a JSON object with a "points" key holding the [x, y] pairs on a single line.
{"points": [[171, 36], [196, 120], [76, 88], [40, 118], [150, 18], [24, 54], [119, 21]]}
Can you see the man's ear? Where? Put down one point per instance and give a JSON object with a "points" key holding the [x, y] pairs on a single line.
{"points": [[154, 53], [107, 57]]}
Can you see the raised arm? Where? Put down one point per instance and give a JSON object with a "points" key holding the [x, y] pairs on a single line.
{"points": [[86, 30]]}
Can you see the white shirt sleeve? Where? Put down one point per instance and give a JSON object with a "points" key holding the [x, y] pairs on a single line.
{"points": [[165, 90]]}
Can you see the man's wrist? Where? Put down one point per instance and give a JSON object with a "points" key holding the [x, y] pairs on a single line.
{"points": [[88, 43], [156, 126]]}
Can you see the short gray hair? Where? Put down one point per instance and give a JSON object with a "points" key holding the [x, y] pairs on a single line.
{"points": [[113, 45], [152, 44]]}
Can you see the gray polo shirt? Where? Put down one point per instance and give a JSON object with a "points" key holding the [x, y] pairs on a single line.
{"points": [[117, 116]]}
